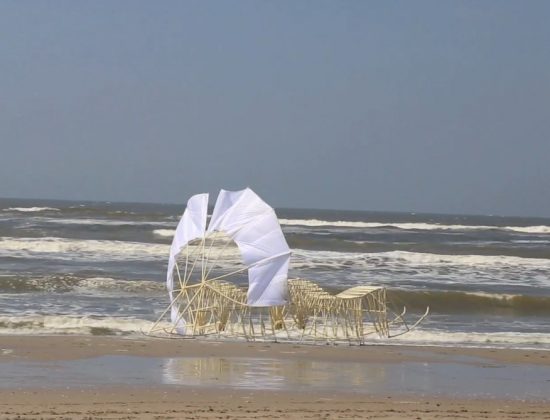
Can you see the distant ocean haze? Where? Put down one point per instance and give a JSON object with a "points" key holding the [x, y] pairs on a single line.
{"points": [[100, 268]]}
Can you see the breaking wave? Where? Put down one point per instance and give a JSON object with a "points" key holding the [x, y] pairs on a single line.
{"points": [[447, 302], [68, 283], [420, 258], [31, 209], [64, 324], [70, 249], [126, 326], [105, 222], [411, 269], [469, 260], [541, 229], [451, 302], [165, 233], [518, 340]]}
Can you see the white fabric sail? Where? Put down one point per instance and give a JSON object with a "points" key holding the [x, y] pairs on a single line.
{"points": [[192, 225], [254, 227]]}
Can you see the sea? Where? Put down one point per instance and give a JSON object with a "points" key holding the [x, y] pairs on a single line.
{"points": [[99, 268]]}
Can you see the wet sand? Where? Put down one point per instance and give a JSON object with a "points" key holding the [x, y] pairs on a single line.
{"points": [[36, 396], [49, 348]]}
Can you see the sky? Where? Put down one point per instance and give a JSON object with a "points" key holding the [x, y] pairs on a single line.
{"points": [[424, 106]]}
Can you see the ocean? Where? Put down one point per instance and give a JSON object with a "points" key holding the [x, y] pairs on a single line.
{"points": [[99, 268]]}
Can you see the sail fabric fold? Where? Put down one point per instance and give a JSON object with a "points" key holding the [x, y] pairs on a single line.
{"points": [[254, 227], [268, 282]]}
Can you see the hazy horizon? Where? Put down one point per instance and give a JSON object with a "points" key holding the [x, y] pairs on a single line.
{"points": [[213, 196]]}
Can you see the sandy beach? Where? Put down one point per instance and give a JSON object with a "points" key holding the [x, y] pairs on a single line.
{"points": [[129, 403], [70, 377]]}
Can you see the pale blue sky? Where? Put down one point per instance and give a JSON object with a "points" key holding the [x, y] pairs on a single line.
{"points": [[437, 106]]}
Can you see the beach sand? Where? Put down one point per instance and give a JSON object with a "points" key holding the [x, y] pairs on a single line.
{"points": [[36, 397]]}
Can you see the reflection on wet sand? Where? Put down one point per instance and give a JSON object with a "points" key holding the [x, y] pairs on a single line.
{"points": [[272, 373], [453, 376], [466, 376]]}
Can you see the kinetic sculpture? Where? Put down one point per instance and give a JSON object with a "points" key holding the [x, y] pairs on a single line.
{"points": [[230, 278]]}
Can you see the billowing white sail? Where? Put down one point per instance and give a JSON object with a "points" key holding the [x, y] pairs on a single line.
{"points": [[254, 227], [192, 225]]}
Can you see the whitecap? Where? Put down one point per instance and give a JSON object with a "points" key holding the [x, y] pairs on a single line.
{"points": [[165, 233], [529, 229], [110, 285], [541, 229], [421, 258], [70, 249], [512, 339], [73, 324], [104, 222], [415, 269], [31, 209]]}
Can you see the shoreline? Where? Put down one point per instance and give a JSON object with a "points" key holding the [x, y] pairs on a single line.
{"points": [[150, 399], [68, 347]]}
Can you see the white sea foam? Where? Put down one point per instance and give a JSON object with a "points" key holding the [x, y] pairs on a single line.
{"points": [[69, 324], [110, 285], [529, 229], [468, 260], [401, 268], [411, 226], [64, 324], [494, 296], [475, 339], [165, 233], [85, 286], [70, 249], [105, 222], [420, 258], [343, 223], [31, 209]]}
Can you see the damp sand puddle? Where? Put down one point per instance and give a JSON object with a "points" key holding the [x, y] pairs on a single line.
{"points": [[470, 378]]}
